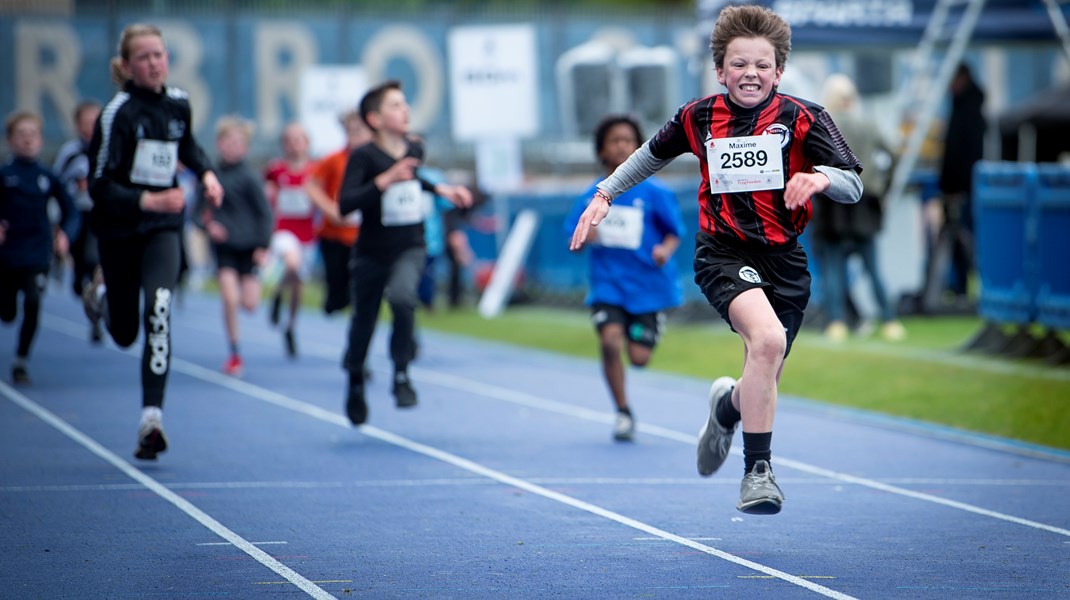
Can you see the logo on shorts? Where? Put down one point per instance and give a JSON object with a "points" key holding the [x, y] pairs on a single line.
{"points": [[749, 274]]}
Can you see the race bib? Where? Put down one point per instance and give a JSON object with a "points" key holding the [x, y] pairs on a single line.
{"points": [[293, 202], [622, 228], [745, 164], [403, 204], [155, 163]]}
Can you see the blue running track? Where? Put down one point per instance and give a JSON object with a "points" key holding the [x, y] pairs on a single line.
{"points": [[503, 483]]}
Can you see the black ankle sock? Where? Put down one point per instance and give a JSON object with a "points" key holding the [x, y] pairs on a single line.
{"points": [[625, 411], [726, 414], [755, 448], [234, 349]]}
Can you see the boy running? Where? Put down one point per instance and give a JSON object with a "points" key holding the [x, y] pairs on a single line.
{"points": [[763, 155]]}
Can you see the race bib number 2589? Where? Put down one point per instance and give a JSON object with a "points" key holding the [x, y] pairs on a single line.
{"points": [[745, 164]]}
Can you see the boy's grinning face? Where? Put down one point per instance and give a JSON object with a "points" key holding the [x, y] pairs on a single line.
{"points": [[749, 71]]}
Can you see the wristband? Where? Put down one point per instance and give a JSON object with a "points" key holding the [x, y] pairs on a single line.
{"points": [[604, 196]]}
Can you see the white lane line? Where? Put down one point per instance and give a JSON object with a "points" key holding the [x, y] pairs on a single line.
{"points": [[316, 412], [658, 539], [466, 385], [253, 543], [160, 490], [562, 481]]}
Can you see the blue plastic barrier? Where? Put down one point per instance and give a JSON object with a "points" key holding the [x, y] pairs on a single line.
{"points": [[1052, 200], [1004, 226]]}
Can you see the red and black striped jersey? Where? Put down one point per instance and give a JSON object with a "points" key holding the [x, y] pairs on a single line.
{"points": [[758, 218]]}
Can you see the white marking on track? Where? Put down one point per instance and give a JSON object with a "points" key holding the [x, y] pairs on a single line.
{"points": [[160, 490], [316, 412], [531, 401], [569, 481], [253, 543]]}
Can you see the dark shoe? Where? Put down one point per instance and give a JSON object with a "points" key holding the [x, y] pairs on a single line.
{"points": [[151, 440], [404, 395], [291, 344], [19, 375], [356, 407]]}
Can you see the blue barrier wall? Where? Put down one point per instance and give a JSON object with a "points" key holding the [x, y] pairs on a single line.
{"points": [[1005, 249], [1052, 200], [1022, 241]]}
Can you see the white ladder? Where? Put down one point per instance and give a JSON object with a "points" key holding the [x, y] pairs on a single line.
{"points": [[1058, 20], [920, 90]]}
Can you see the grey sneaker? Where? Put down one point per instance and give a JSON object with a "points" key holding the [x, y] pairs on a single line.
{"points": [[759, 494], [624, 428], [714, 440]]}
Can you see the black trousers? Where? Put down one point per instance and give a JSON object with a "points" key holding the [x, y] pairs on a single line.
{"points": [[397, 279], [31, 282], [140, 269], [336, 274], [84, 255]]}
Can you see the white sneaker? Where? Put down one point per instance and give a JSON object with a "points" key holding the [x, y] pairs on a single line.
{"points": [[151, 440], [623, 428]]}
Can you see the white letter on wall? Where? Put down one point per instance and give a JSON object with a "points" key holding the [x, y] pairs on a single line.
{"points": [[276, 81], [409, 43], [35, 80], [186, 50]]}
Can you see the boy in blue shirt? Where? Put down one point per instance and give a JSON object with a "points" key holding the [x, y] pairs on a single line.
{"points": [[632, 276], [26, 240]]}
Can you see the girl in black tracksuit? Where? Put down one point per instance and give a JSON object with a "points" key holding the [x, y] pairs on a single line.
{"points": [[142, 134]]}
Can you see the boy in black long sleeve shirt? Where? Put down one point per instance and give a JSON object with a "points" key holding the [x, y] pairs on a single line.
{"points": [[381, 181]]}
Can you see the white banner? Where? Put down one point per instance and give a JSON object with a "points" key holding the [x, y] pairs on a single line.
{"points": [[493, 91], [327, 92]]}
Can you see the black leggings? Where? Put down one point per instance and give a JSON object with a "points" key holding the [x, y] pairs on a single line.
{"points": [[31, 282], [370, 280], [144, 267], [336, 257], [84, 254]]}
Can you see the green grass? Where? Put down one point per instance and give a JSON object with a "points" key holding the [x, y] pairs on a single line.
{"points": [[924, 377]]}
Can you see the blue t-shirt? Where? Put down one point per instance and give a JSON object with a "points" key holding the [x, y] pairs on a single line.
{"points": [[622, 268]]}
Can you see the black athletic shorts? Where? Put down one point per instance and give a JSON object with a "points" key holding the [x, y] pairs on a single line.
{"points": [[724, 271], [643, 329], [239, 260]]}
